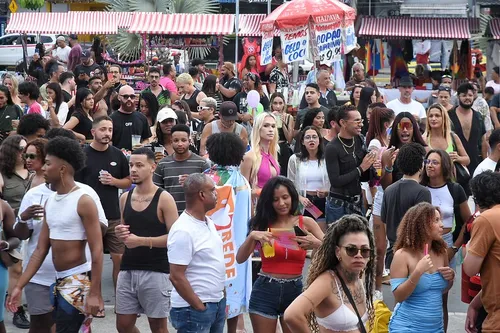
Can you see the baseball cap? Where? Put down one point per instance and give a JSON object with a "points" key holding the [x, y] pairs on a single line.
{"points": [[73, 36], [229, 66], [228, 111], [166, 113], [61, 38], [406, 81], [85, 54]]}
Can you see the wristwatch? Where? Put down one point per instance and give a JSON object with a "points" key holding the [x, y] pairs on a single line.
{"points": [[454, 248]]}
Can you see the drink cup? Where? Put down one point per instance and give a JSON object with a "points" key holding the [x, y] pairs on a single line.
{"points": [[136, 140]]}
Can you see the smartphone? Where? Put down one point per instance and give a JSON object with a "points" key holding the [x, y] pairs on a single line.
{"points": [[110, 76], [299, 231]]}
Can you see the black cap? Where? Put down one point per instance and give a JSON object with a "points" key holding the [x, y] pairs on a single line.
{"points": [[196, 62], [85, 54], [228, 111], [406, 81], [73, 36]]}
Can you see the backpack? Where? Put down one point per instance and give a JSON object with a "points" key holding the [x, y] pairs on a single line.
{"points": [[381, 318]]}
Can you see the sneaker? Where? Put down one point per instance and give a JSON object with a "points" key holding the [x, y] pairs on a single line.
{"points": [[20, 319], [378, 296]]}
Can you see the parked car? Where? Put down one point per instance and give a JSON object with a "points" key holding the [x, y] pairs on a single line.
{"points": [[304, 67], [11, 49]]}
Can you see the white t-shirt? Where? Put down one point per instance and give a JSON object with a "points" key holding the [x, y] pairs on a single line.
{"points": [[197, 245], [485, 165], [63, 53], [442, 198], [46, 275], [495, 86], [414, 107], [62, 113]]}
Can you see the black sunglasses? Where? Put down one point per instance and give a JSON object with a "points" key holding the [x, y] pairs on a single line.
{"points": [[30, 156], [443, 88], [352, 251], [128, 96]]}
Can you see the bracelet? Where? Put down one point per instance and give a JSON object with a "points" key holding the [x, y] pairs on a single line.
{"points": [[360, 171], [8, 247], [19, 220], [389, 170], [150, 243]]}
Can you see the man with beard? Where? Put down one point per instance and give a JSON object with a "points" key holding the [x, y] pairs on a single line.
{"points": [[162, 95], [100, 107], [468, 125], [348, 164], [358, 77], [128, 122], [107, 173], [312, 97], [327, 97], [53, 70], [85, 70], [174, 169], [228, 113], [406, 104], [147, 214], [70, 221], [229, 85], [111, 88]]}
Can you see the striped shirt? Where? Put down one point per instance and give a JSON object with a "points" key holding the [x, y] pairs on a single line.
{"points": [[168, 171]]}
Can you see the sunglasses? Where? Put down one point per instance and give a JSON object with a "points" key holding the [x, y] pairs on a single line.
{"points": [[407, 125], [443, 88], [201, 108], [446, 77], [352, 251], [30, 156], [128, 96]]}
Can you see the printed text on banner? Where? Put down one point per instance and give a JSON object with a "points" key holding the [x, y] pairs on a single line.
{"points": [[295, 44]]}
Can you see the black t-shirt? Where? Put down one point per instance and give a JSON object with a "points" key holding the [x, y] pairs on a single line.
{"points": [[398, 198], [113, 161], [232, 83], [82, 69], [84, 126], [67, 97], [7, 114], [302, 113], [126, 124], [328, 100]]}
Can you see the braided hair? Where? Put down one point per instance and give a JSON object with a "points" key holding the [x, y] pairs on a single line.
{"points": [[325, 259]]}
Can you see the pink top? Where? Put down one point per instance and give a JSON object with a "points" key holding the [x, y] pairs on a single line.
{"points": [[35, 108], [168, 84], [264, 173]]}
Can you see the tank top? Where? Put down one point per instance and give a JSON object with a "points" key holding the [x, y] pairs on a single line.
{"points": [[145, 224], [264, 173], [237, 129], [14, 188], [61, 213], [191, 101]]}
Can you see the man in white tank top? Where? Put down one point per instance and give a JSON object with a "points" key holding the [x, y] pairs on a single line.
{"points": [[70, 219]]}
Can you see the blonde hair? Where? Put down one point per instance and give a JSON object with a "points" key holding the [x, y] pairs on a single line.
{"points": [[273, 147], [445, 126], [15, 82], [185, 78]]}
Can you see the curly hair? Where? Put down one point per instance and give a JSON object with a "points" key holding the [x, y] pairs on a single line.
{"points": [[325, 258], [59, 131], [67, 150], [265, 214], [225, 149], [8, 154], [485, 189], [40, 145], [410, 158], [30, 123], [415, 229]]}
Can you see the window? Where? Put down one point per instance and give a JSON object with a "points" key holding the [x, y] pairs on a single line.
{"points": [[46, 39], [9, 40]]}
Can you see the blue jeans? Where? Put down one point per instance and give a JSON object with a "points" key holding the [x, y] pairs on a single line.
{"points": [[189, 320], [337, 208]]}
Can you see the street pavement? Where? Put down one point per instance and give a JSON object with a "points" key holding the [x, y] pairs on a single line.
{"points": [[456, 308]]}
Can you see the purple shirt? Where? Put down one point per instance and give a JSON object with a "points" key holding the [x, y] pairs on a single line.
{"points": [[74, 57]]}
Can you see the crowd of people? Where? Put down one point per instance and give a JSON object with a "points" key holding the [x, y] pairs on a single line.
{"points": [[372, 192]]}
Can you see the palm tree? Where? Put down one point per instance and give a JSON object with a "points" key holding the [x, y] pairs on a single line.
{"points": [[129, 46]]}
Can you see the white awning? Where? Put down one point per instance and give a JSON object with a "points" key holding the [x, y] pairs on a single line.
{"points": [[433, 10]]}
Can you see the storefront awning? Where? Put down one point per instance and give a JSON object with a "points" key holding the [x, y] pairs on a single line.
{"points": [[434, 10], [182, 24], [249, 25], [414, 28], [92, 23], [494, 28]]}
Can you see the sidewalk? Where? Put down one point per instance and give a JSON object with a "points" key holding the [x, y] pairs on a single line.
{"points": [[108, 324]]}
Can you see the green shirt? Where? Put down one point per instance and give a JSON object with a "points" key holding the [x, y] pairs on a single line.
{"points": [[163, 98]]}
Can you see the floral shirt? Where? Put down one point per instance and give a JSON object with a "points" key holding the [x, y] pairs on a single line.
{"points": [[480, 105], [277, 76]]}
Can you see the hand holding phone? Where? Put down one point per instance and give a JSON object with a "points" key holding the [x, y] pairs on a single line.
{"points": [[298, 231]]}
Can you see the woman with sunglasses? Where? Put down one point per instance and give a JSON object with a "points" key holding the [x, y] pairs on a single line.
{"points": [[250, 66], [211, 89], [343, 264], [444, 97], [280, 278], [307, 170], [57, 107], [34, 156], [438, 135], [419, 272], [285, 125], [404, 130], [451, 199], [80, 122]]}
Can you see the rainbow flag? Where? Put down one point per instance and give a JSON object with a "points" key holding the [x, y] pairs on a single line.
{"points": [[231, 215]]}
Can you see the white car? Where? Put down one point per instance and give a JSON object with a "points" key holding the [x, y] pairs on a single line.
{"points": [[304, 67], [11, 49]]}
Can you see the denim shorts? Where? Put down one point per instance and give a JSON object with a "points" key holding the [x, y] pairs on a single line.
{"points": [[337, 208], [189, 320], [448, 238], [270, 297]]}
